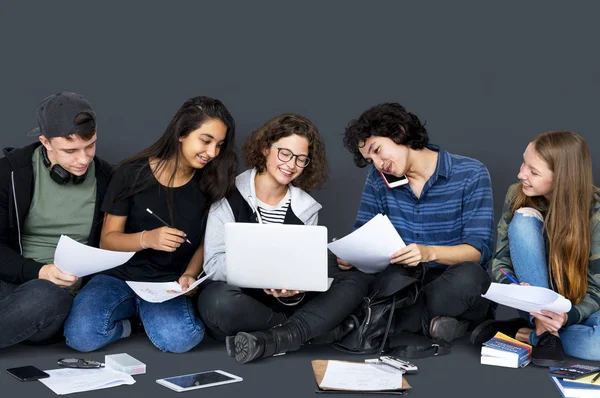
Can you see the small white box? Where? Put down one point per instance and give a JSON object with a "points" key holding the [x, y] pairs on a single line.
{"points": [[125, 363]]}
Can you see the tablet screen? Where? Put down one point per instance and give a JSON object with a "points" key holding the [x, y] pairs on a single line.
{"points": [[199, 379]]}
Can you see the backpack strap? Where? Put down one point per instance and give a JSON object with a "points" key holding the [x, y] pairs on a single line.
{"points": [[436, 348], [415, 351], [388, 326]]}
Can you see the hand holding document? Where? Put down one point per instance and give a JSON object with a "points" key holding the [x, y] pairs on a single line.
{"points": [[75, 258], [527, 298], [370, 247], [67, 381], [157, 292]]}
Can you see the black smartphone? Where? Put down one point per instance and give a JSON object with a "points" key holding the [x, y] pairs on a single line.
{"points": [[393, 181], [27, 373]]}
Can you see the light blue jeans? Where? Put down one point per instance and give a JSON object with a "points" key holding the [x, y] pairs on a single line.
{"points": [[100, 313], [528, 255]]}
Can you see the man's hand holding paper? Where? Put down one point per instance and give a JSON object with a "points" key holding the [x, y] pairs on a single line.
{"points": [[53, 274], [412, 255]]}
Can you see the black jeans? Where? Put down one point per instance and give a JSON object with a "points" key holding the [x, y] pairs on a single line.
{"points": [[227, 310], [33, 312], [454, 291]]}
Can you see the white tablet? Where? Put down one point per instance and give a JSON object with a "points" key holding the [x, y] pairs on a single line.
{"points": [[198, 380]]}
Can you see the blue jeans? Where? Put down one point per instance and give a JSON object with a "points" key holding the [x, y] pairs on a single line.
{"points": [[528, 255], [101, 310]]}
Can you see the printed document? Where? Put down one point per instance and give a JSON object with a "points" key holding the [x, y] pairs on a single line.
{"points": [[370, 247], [67, 380], [75, 258], [359, 377], [157, 292], [527, 298]]}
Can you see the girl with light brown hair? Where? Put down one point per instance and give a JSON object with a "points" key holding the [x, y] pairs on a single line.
{"points": [[549, 236]]}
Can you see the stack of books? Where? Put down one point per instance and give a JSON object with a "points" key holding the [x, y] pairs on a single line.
{"points": [[574, 386], [503, 350]]}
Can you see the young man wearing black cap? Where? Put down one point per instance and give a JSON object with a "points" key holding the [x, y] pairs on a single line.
{"points": [[50, 188]]}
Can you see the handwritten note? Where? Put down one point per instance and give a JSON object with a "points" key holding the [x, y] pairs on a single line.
{"points": [[370, 247], [157, 292], [359, 377]]}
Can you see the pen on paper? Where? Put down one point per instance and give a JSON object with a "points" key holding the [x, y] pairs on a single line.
{"points": [[164, 223], [509, 276], [596, 377]]}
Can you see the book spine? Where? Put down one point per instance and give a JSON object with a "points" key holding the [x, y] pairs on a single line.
{"points": [[500, 345]]}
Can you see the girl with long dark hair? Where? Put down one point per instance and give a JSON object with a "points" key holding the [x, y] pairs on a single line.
{"points": [[191, 166]]}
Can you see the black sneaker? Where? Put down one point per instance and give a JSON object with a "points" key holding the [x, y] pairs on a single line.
{"points": [[488, 329], [548, 352], [447, 329]]}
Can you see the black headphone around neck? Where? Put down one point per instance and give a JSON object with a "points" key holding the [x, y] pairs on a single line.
{"points": [[58, 173]]}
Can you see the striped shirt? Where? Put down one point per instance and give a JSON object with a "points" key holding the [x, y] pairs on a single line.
{"points": [[455, 206], [274, 214]]}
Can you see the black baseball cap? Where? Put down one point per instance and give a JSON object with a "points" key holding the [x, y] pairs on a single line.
{"points": [[56, 115]]}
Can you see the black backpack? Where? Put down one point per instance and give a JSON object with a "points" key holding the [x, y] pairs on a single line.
{"points": [[395, 304]]}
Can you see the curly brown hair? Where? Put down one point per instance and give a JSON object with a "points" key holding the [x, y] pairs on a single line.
{"points": [[315, 174]]}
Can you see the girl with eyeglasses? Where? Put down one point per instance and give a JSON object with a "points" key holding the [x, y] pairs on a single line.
{"points": [[287, 156]]}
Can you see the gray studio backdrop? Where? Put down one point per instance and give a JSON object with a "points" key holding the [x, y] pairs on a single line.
{"points": [[486, 76]]}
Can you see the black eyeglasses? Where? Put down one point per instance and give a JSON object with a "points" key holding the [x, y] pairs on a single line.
{"points": [[285, 155]]}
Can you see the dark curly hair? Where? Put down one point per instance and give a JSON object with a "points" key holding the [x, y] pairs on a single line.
{"points": [[315, 174], [390, 120]]}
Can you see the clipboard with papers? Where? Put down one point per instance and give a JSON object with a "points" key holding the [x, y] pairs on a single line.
{"points": [[355, 377]]}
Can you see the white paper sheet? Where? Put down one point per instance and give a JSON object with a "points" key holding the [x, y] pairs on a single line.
{"points": [[527, 298], [359, 377], [370, 247], [157, 292], [66, 380], [75, 258]]}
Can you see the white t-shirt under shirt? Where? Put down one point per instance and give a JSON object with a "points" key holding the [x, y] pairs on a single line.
{"points": [[274, 214]]}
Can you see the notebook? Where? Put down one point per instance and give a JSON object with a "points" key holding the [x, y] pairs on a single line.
{"points": [[571, 389], [276, 256]]}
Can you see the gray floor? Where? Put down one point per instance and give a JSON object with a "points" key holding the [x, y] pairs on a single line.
{"points": [[457, 375]]}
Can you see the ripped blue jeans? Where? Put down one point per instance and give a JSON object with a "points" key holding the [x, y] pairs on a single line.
{"points": [[528, 255]]}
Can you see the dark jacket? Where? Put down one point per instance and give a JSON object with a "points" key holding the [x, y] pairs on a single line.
{"points": [[16, 193]]}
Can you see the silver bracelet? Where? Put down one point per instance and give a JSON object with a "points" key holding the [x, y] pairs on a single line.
{"points": [[141, 243]]}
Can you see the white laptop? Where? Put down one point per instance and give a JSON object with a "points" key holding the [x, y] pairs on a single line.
{"points": [[277, 256]]}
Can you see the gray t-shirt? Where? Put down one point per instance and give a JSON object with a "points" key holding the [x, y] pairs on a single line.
{"points": [[57, 210]]}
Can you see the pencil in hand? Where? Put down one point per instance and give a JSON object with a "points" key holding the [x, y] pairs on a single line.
{"points": [[164, 222]]}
